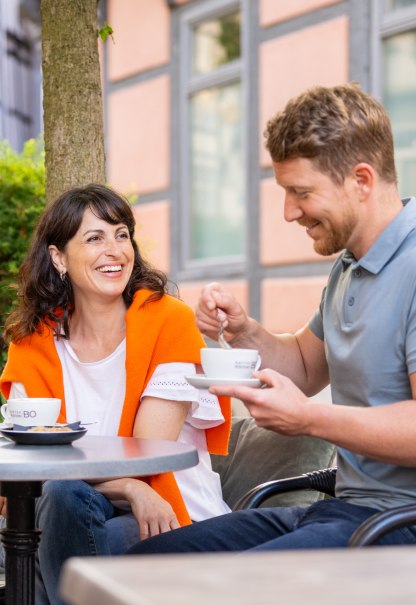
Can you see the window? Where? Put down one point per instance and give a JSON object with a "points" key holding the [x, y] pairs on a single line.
{"points": [[399, 98], [397, 87], [216, 42], [213, 181], [392, 5], [20, 75]]}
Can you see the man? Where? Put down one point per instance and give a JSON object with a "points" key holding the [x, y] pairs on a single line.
{"points": [[332, 152]]}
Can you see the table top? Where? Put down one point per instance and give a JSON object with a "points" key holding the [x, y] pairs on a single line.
{"points": [[367, 576], [93, 457]]}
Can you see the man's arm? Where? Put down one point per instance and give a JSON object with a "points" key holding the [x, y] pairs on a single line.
{"points": [[386, 433], [300, 356]]}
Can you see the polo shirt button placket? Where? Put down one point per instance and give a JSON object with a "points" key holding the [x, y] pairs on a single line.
{"points": [[349, 310]]}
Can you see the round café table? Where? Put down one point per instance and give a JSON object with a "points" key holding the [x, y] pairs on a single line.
{"points": [[23, 468]]}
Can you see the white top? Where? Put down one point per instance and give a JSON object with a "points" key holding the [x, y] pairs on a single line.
{"points": [[94, 393]]}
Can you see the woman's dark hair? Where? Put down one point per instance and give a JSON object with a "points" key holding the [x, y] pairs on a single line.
{"points": [[43, 296]]}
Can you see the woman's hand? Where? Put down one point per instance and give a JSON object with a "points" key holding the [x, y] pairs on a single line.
{"points": [[153, 514]]}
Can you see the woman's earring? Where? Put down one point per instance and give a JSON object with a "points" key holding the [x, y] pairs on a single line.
{"points": [[62, 275]]}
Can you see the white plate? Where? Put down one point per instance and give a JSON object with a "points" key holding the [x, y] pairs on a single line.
{"points": [[200, 381]]}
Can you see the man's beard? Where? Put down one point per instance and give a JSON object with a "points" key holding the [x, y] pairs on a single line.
{"points": [[336, 240]]}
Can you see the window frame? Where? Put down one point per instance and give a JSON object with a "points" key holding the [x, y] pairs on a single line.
{"points": [[386, 24], [189, 84]]}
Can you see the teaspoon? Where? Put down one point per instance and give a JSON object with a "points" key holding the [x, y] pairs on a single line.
{"points": [[221, 340]]}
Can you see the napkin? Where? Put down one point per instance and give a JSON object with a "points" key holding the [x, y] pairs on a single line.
{"points": [[74, 426]]}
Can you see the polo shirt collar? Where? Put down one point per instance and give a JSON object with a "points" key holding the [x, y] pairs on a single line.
{"points": [[388, 242]]}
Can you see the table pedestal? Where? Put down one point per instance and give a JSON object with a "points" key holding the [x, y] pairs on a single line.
{"points": [[20, 540]]}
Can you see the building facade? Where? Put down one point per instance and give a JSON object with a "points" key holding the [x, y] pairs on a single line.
{"points": [[20, 71], [188, 88]]}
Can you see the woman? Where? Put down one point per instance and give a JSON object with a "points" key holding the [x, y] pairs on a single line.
{"points": [[96, 327]]}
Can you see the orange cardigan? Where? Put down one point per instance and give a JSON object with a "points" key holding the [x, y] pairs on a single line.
{"points": [[157, 332]]}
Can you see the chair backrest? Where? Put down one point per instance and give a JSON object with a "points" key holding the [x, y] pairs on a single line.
{"points": [[257, 455]]}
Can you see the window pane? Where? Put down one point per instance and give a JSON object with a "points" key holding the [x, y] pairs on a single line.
{"points": [[217, 213], [399, 98], [392, 5], [215, 42]]}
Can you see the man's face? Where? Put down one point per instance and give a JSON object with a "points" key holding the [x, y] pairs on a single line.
{"points": [[328, 211]]}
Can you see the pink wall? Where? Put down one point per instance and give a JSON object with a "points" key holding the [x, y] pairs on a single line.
{"points": [[292, 63], [273, 11], [287, 304], [141, 35], [190, 292], [152, 232], [139, 135]]}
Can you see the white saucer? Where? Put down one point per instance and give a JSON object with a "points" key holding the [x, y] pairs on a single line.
{"points": [[200, 381]]}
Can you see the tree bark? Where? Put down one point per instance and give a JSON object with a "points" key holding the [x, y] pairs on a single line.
{"points": [[72, 99]]}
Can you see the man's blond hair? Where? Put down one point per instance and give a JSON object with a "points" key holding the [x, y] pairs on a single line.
{"points": [[336, 128]]}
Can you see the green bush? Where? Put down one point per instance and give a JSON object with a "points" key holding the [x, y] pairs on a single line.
{"points": [[22, 199]]}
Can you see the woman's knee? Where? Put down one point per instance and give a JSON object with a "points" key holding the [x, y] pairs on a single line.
{"points": [[62, 497], [71, 503], [65, 490]]}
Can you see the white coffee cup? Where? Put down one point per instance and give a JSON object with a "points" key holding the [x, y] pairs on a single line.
{"points": [[230, 363], [31, 411]]}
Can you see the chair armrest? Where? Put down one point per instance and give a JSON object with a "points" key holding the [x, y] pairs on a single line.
{"points": [[382, 523], [322, 480]]}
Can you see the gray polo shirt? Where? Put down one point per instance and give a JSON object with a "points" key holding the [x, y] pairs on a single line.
{"points": [[367, 319]]}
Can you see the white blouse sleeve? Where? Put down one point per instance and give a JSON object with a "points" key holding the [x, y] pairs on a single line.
{"points": [[17, 390], [168, 382]]}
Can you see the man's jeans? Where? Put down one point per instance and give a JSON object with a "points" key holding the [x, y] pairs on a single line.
{"points": [[76, 520], [325, 524]]}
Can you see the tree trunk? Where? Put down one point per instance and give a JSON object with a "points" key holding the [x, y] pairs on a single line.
{"points": [[72, 100]]}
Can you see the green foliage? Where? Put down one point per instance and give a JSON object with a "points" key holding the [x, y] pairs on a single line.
{"points": [[22, 199], [106, 31], [229, 36]]}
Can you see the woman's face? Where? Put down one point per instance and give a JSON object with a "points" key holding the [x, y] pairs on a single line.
{"points": [[98, 259]]}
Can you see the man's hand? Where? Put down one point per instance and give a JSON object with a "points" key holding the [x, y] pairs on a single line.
{"points": [[216, 304], [281, 407]]}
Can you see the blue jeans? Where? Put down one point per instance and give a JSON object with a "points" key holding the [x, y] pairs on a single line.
{"points": [[325, 524], [76, 520]]}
